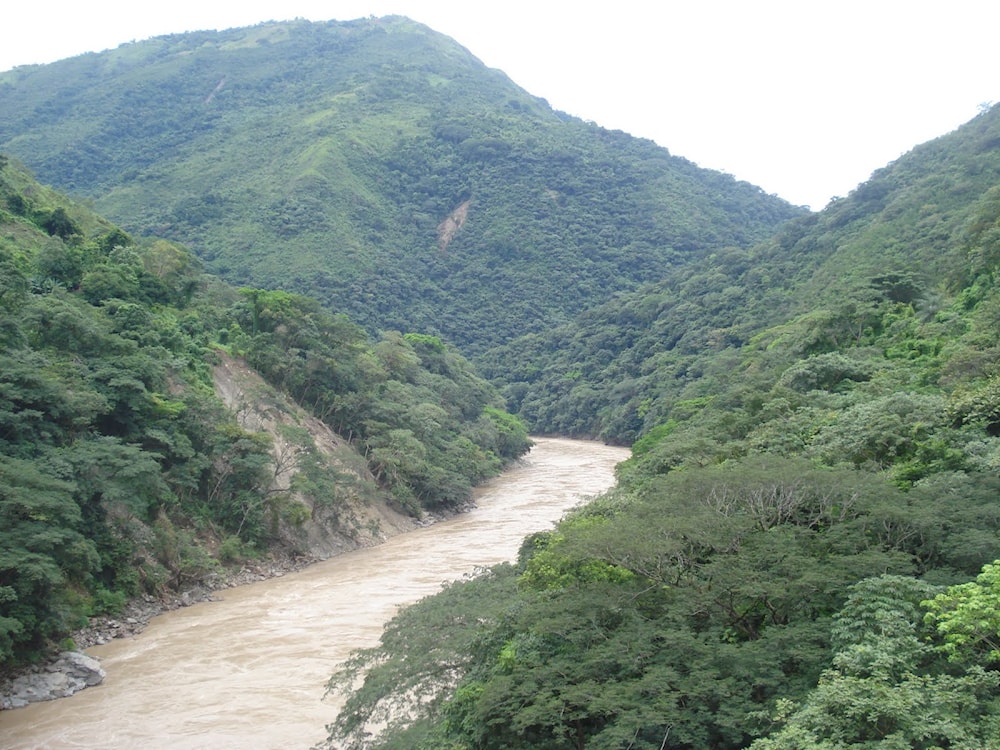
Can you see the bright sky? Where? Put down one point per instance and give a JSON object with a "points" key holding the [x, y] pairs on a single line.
{"points": [[801, 97]]}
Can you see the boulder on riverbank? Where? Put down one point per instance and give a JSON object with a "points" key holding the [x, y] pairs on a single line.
{"points": [[71, 672]]}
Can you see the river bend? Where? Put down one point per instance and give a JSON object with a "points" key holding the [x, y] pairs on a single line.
{"points": [[249, 671]]}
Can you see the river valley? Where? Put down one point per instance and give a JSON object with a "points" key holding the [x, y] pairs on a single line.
{"points": [[249, 670]]}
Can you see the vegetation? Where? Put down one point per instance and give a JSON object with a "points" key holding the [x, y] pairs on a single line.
{"points": [[375, 166], [881, 305], [799, 554], [802, 552], [429, 426], [695, 612], [121, 472]]}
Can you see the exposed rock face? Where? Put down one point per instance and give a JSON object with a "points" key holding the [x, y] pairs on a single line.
{"points": [[448, 228], [71, 672], [361, 518]]}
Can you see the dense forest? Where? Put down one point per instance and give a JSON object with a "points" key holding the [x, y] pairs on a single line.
{"points": [[121, 470], [376, 166], [800, 553], [887, 290]]}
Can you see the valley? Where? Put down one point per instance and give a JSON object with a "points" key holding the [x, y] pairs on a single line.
{"points": [[329, 299]]}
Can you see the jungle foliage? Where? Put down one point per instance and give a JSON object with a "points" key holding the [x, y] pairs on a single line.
{"points": [[864, 334], [800, 553], [122, 473], [375, 166]]}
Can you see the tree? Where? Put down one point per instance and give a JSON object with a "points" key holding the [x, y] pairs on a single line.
{"points": [[967, 617], [60, 262], [887, 688], [43, 556], [59, 224]]}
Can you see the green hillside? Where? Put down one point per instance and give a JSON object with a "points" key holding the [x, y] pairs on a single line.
{"points": [[800, 553], [122, 472], [887, 290], [798, 556], [376, 166]]}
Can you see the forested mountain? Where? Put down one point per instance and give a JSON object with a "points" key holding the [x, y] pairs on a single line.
{"points": [[122, 471], [800, 553], [376, 166], [797, 556], [887, 290]]}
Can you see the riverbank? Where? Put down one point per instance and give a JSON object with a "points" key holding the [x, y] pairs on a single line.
{"points": [[248, 672], [70, 670]]}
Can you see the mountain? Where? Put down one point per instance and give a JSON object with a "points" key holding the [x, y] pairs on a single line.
{"points": [[376, 166], [158, 427], [804, 549], [893, 279]]}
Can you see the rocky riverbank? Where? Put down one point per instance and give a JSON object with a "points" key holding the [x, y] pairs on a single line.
{"points": [[71, 671]]}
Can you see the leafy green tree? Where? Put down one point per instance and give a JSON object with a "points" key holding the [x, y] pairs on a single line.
{"points": [[108, 282], [881, 431], [61, 262], [241, 478], [825, 371], [887, 687], [59, 224], [509, 436], [43, 557], [978, 403], [13, 284], [967, 617]]}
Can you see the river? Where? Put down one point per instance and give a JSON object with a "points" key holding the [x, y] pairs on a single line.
{"points": [[248, 671]]}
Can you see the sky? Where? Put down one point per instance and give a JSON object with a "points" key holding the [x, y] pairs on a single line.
{"points": [[802, 98]]}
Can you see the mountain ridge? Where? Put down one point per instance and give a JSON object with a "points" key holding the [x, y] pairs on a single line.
{"points": [[917, 235], [322, 157]]}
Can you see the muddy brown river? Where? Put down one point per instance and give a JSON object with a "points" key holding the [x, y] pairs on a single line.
{"points": [[249, 671]]}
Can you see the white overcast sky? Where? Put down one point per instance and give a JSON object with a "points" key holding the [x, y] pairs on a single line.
{"points": [[801, 97]]}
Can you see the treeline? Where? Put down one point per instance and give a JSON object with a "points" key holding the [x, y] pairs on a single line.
{"points": [[799, 554], [121, 472]]}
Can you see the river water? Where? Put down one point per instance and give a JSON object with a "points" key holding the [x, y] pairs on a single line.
{"points": [[249, 671]]}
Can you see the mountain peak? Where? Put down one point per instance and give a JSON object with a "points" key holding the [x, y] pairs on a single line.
{"points": [[321, 157]]}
